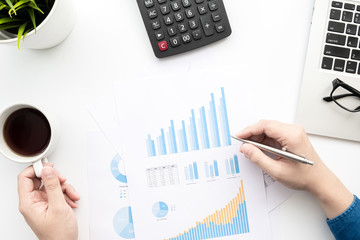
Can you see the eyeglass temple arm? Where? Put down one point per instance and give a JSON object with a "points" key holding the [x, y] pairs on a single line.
{"points": [[351, 89], [336, 97]]}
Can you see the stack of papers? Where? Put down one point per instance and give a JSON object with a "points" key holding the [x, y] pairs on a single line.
{"points": [[164, 166]]}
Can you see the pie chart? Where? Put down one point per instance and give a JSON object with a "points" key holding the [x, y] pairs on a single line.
{"points": [[117, 167], [160, 209], [123, 223]]}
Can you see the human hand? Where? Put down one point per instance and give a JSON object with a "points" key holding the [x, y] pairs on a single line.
{"points": [[48, 209], [316, 179], [292, 138]]}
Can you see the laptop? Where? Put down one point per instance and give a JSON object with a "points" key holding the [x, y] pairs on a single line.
{"points": [[333, 52]]}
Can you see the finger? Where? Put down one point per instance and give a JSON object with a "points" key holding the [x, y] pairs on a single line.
{"points": [[272, 129], [62, 179], [26, 182], [70, 202], [266, 163], [70, 191], [53, 188], [37, 184]]}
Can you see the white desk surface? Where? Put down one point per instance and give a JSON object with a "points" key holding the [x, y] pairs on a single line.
{"points": [[109, 42]]}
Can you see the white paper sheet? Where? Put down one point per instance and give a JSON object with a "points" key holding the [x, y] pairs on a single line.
{"points": [[276, 193], [110, 212], [174, 193]]}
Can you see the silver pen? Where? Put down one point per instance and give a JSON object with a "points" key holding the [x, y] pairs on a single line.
{"points": [[278, 152]]}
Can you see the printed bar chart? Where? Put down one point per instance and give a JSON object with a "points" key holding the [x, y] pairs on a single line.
{"points": [[228, 221], [211, 170], [232, 165], [205, 129], [191, 172]]}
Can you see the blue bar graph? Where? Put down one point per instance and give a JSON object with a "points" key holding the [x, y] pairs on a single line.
{"points": [[232, 165], [211, 169], [228, 221], [191, 172], [206, 128]]}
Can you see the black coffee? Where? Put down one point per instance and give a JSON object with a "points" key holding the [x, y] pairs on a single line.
{"points": [[27, 132]]}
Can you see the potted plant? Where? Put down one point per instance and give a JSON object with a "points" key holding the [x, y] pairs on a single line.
{"points": [[40, 23]]}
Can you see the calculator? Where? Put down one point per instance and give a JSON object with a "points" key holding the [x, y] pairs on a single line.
{"points": [[177, 26]]}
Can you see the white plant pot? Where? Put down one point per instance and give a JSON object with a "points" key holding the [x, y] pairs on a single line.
{"points": [[55, 28]]}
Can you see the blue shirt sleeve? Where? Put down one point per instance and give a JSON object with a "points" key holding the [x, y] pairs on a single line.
{"points": [[346, 226]]}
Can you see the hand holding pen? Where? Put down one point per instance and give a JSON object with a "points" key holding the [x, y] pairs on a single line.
{"points": [[317, 179], [282, 136]]}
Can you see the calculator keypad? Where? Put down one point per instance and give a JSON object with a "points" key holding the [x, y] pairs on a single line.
{"points": [[176, 26]]}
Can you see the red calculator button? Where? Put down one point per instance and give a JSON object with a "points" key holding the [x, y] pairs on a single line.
{"points": [[163, 46]]}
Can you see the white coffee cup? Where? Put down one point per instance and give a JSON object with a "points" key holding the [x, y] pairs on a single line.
{"points": [[39, 157]]}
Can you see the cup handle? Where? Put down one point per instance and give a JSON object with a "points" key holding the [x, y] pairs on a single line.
{"points": [[38, 165]]}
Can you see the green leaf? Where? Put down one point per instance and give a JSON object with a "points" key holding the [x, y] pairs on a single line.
{"points": [[9, 26], [32, 17], [34, 6], [7, 20], [20, 34], [24, 35], [2, 6], [11, 6], [19, 3]]}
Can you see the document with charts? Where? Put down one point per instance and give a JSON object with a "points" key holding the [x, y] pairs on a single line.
{"points": [[110, 211], [186, 178]]}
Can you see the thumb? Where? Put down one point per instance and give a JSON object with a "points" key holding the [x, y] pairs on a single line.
{"points": [[52, 187], [258, 157]]}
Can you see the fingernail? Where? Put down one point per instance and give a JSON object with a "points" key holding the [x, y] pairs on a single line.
{"points": [[48, 172], [245, 149]]}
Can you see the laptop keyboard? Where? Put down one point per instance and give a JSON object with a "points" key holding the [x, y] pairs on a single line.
{"points": [[342, 48]]}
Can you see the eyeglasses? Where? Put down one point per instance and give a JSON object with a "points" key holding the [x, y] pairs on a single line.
{"points": [[345, 96]]}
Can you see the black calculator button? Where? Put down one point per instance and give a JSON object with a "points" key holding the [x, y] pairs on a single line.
{"points": [[186, 3], [159, 35], [165, 9], [149, 3], [207, 25], [193, 24], [202, 9], [213, 6], [152, 13], [219, 27], [168, 20], [197, 34], [171, 31], [216, 17], [190, 13], [155, 24], [161, 1], [175, 41], [175, 5], [179, 16], [186, 38], [163, 46], [182, 27], [199, 1]]}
